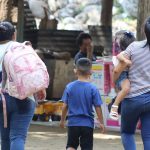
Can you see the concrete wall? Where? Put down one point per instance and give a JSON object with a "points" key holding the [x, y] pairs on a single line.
{"points": [[61, 73]]}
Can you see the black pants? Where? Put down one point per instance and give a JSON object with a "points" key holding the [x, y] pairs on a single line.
{"points": [[80, 135]]}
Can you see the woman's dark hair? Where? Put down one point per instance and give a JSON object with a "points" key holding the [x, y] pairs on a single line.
{"points": [[81, 37], [125, 38], [147, 31], [6, 31]]}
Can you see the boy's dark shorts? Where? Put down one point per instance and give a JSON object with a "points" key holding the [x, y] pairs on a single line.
{"points": [[80, 135]]}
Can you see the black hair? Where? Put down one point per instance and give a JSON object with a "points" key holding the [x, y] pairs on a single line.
{"points": [[84, 65], [125, 38], [6, 31], [147, 31], [81, 37]]}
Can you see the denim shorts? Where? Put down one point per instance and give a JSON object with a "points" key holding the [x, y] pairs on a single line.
{"points": [[123, 76]]}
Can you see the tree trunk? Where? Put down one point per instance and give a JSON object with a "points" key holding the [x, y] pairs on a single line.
{"points": [[143, 13], [106, 23], [20, 24], [106, 14], [5, 10]]}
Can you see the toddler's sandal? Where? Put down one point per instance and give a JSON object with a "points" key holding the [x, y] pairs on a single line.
{"points": [[113, 114]]}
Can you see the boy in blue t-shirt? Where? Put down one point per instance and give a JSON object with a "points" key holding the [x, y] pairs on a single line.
{"points": [[79, 98]]}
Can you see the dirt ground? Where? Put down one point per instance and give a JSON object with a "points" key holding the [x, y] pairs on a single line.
{"points": [[54, 138]]}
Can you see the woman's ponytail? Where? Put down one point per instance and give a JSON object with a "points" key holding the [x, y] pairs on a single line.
{"points": [[147, 31]]}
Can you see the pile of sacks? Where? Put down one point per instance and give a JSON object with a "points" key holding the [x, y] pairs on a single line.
{"points": [[71, 14], [77, 14], [130, 7]]}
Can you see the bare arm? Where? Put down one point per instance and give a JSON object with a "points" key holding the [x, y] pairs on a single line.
{"points": [[118, 70], [63, 116], [100, 117], [123, 58]]}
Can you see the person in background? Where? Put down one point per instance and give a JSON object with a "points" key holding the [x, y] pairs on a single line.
{"points": [[79, 98], [84, 42], [137, 102]]}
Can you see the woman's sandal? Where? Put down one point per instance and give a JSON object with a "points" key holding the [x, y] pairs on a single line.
{"points": [[114, 114]]}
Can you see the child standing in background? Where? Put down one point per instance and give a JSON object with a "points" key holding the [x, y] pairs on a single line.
{"points": [[79, 98], [123, 39]]}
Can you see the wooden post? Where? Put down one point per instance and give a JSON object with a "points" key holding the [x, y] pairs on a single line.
{"points": [[143, 13], [20, 25]]}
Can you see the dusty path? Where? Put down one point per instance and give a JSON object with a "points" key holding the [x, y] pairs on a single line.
{"points": [[54, 138]]}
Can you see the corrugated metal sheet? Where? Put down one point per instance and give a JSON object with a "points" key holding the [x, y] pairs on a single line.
{"points": [[102, 36], [58, 40], [29, 21], [31, 35]]}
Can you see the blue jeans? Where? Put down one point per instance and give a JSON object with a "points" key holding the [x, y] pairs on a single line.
{"points": [[133, 109], [19, 115], [123, 76]]}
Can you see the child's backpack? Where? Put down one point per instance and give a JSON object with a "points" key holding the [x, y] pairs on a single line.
{"points": [[26, 72]]}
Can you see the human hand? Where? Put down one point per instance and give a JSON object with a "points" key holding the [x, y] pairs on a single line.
{"points": [[128, 62], [90, 48], [40, 95], [62, 124], [102, 127]]}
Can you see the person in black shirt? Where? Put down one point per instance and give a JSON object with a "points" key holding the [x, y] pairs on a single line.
{"points": [[84, 41]]}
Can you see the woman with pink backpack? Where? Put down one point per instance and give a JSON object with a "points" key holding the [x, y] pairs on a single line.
{"points": [[16, 111]]}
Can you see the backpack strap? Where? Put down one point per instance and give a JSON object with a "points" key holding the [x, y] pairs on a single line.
{"points": [[4, 77], [4, 109]]}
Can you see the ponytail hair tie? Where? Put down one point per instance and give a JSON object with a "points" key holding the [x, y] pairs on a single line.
{"points": [[129, 34]]}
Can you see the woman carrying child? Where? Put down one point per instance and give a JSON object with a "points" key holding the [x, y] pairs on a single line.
{"points": [[137, 103]]}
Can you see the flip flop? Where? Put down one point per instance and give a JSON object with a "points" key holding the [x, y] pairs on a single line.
{"points": [[113, 114]]}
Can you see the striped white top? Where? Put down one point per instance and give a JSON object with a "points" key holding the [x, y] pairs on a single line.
{"points": [[139, 72]]}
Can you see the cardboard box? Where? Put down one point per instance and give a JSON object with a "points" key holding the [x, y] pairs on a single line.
{"points": [[102, 76], [97, 76]]}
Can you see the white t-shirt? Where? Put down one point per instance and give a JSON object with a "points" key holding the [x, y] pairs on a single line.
{"points": [[115, 61], [3, 48]]}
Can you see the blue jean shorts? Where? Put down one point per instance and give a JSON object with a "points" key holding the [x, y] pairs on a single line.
{"points": [[123, 76]]}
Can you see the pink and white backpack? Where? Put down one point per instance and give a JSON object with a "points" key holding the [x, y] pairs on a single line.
{"points": [[26, 72]]}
